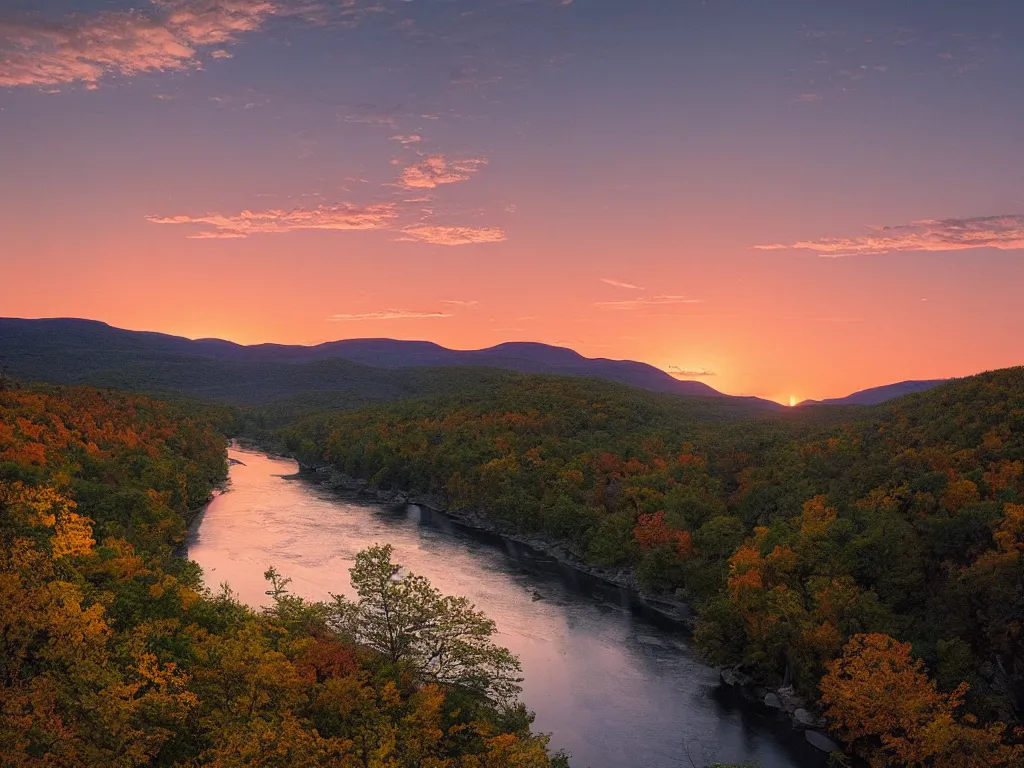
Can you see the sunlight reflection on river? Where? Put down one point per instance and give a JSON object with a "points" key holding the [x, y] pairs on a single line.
{"points": [[616, 690]]}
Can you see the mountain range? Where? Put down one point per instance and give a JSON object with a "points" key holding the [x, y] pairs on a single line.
{"points": [[876, 395], [359, 371]]}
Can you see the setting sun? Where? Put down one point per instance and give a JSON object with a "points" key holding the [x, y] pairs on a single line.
{"points": [[792, 400]]}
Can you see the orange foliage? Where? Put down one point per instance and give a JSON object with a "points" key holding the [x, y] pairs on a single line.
{"points": [[652, 531], [958, 494], [816, 517], [880, 701], [1005, 475]]}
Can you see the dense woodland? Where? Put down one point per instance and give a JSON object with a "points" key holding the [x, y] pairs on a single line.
{"points": [[870, 557], [112, 652]]}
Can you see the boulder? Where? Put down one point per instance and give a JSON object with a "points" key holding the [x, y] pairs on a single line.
{"points": [[772, 700], [790, 701], [804, 719], [732, 676], [820, 741]]}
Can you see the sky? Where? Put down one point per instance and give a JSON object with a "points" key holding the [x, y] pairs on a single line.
{"points": [[789, 199]]}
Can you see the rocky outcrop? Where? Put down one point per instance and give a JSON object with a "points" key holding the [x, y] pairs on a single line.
{"points": [[821, 741], [671, 607], [784, 703]]}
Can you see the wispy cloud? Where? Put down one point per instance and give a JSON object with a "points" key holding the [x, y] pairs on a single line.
{"points": [[388, 314], [1002, 232], [691, 373], [85, 48], [620, 284], [215, 22], [461, 303], [646, 303], [413, 138], [436, 170], [439, 235], [342, 216], [382, 121]]}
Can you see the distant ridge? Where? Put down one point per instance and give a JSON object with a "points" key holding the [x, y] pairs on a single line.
{"points": [[876, 395], [71, 350]]}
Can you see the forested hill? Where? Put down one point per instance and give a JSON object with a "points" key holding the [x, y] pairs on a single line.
{"points": [[112, 653], [878, 395], [873, 556], [358, 371]]}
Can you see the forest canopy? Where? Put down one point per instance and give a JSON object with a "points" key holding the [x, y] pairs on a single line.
{"points": [[793, 534], [113, 653]]}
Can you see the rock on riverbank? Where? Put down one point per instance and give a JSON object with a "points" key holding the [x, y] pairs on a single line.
{"points": [[674, 609], [785, 703]]}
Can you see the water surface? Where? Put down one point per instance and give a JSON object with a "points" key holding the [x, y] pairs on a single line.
{"points": [[615, 687]]}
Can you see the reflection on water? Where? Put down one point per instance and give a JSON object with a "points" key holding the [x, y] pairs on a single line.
{"points": [[616, 688]]}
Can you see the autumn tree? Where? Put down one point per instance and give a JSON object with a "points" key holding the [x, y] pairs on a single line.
{"points": [[881, 702]]}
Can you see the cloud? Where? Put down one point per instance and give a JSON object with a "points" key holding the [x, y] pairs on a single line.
{"points": [[806, 98], [45, 53], [681, 373], [388, 314], [220, 53], [436, 170], [342, 216], [1002, 232], [215, 22], [653, 301], [384, 121], [85, 48], [407, 140], [438, 235], [461, 303], [620, 284]]}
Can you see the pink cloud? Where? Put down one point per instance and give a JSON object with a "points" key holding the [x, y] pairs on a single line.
{"points": [[215, 22], [125, 43], [388, 314], [620, 284], [1001, 232], [684, 373], [646, 303], [436, 170], [85, 48], [438, 235], [339, 217]]}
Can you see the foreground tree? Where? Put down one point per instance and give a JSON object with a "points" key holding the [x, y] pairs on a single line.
{"points": [[440, 639], [881, 702]]}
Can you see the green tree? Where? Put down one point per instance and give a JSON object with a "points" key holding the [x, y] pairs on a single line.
{"points": [[441, 639]]}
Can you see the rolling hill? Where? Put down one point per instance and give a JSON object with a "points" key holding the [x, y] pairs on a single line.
{"points": [[358, 371], [878, 395]]}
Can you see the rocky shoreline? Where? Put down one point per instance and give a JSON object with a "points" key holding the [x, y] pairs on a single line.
{"points": [[677, 611], [783, 702]]}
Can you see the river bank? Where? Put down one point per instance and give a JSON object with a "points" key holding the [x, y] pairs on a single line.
{"points": [[617, 685], [675, 610], [782, 703]]}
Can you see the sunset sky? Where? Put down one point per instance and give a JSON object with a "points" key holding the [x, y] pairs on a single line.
{"points": [[789, 198]]}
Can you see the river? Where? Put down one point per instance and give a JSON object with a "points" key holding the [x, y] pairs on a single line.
{"points": [[615, 687]]}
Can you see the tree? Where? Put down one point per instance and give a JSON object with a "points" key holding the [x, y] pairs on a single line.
{"points": [[441, 639], [881, 702]]}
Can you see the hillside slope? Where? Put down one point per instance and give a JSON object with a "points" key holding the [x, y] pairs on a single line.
{"points": [[70, 351], [878, 395]]}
